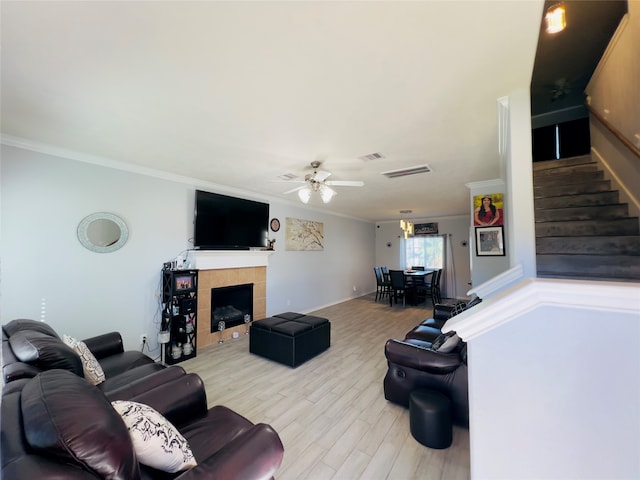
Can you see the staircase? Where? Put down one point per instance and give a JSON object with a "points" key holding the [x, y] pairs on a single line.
{"points": [[582, 231]]}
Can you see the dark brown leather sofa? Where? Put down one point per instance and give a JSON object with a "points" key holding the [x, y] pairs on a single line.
{"points": [[417, 362], [59, 426], [30, 347]]}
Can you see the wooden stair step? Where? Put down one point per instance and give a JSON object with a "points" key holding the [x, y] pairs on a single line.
{"points": [[568, 170], [595, 212], [596, 266], [568, 179], [589, 245], [621, 226], [610, 197], [572, 189], [562, 162]]}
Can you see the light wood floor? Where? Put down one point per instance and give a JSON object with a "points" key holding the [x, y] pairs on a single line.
{"points": [[330, 412]]}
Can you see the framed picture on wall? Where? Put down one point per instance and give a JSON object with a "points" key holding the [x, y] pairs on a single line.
{"points": [[489, 241], [488, 210]]}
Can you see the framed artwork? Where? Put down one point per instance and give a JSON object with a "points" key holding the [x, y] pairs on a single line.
{"points": [[425, 228], [488, 210], [490, 241], [304, 235]]}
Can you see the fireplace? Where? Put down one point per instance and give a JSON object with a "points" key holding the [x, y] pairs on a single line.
{"points": [[230, 304], [217, 269]]}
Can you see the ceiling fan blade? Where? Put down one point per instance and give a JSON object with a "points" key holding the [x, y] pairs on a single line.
{"points": [[295, 189], [345, 183], [321, 176]]}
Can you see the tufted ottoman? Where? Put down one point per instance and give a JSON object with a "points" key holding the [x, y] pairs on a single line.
{"points": [[290, 338]]}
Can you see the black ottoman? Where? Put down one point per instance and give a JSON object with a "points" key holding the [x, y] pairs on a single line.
{"points": [[430, 418], [290, 338]]}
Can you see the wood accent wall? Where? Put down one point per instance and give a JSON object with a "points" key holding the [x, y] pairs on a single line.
{"points": [[208, 279]]}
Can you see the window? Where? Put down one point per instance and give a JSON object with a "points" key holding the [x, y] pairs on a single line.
{"points": [[424, 250]]}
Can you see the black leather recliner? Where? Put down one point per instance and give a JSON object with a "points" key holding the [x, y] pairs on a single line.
{"points": [[417, 362], [59, 426], [30, 347]]}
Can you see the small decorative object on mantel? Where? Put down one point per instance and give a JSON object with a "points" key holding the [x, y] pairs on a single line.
{"points": [[270, 244]]}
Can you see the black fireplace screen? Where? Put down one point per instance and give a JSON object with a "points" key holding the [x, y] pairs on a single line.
{"points": [[230, 305]]}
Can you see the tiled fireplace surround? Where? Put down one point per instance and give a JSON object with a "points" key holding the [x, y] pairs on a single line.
{"points": [[227, 268]]}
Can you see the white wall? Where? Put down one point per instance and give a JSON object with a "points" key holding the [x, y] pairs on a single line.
{"points": [[305, 281], [553, 395], [457, 227], [44, 197], [484, 268], [614, 94], [520, 215]]}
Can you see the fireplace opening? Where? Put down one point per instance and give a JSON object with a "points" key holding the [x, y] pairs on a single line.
{"points": [[230, 305]]}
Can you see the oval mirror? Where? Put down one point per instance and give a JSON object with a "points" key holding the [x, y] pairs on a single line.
{"points": [[102, 232]]}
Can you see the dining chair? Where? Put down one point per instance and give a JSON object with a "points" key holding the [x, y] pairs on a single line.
{"points": [[385, 273], [383, 287], [399, 287], [432, 288]]}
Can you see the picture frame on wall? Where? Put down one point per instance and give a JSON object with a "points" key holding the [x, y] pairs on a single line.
{"points": [[490, 241], [425, 228], [488, 210]]}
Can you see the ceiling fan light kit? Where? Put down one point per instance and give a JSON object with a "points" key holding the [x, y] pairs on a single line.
{"points": [[317, 182], [304, 194]]}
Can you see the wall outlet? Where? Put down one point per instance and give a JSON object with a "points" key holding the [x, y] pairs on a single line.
{"points": [[144, 338]]}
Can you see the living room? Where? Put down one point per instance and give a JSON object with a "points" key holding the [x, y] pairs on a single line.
{"points": [[48, 275]]}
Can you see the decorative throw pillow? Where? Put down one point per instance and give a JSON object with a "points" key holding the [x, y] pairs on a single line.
{"points": [[157, 442], [450, 343], [445, 342], [458, 308], [92, 370]]}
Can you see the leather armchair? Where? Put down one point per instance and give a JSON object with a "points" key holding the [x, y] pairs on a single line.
{"points": [[416, 362], [413, 365]]}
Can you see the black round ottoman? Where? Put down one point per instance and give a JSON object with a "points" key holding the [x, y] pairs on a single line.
{"points": [[430, 418]]}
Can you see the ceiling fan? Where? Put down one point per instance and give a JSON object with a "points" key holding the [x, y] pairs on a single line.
{"points": [[317, 182]]}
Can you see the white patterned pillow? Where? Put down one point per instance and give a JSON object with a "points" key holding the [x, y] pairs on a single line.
{"points": [[156, 442], [92, 370]]}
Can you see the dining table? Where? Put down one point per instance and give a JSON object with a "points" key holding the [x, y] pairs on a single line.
{"points": [[416, 277]]}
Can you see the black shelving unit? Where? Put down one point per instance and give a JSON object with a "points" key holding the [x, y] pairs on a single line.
{"points": [[179, 314]]}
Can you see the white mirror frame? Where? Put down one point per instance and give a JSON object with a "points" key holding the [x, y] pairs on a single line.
{"points": [[86, 242]]}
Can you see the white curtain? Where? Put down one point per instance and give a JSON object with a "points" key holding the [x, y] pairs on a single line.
{"points": [[448, 280]]}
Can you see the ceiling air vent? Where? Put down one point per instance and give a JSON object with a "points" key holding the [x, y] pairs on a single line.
{"points": [[287, 176], [371, 156], [403, 172]]}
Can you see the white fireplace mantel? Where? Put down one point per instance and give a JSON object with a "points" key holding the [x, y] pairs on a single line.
{"points": [[218, 259]]}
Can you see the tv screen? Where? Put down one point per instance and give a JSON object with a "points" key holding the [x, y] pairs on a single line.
{"points": [[229, 223]]}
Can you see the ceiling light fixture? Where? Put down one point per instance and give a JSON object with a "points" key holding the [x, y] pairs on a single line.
{"points": [[556, 18], [304, 194], [406, 225], [326, 193]]}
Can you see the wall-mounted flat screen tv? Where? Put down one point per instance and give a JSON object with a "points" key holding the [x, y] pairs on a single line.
{"points": [[229, 223]]}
